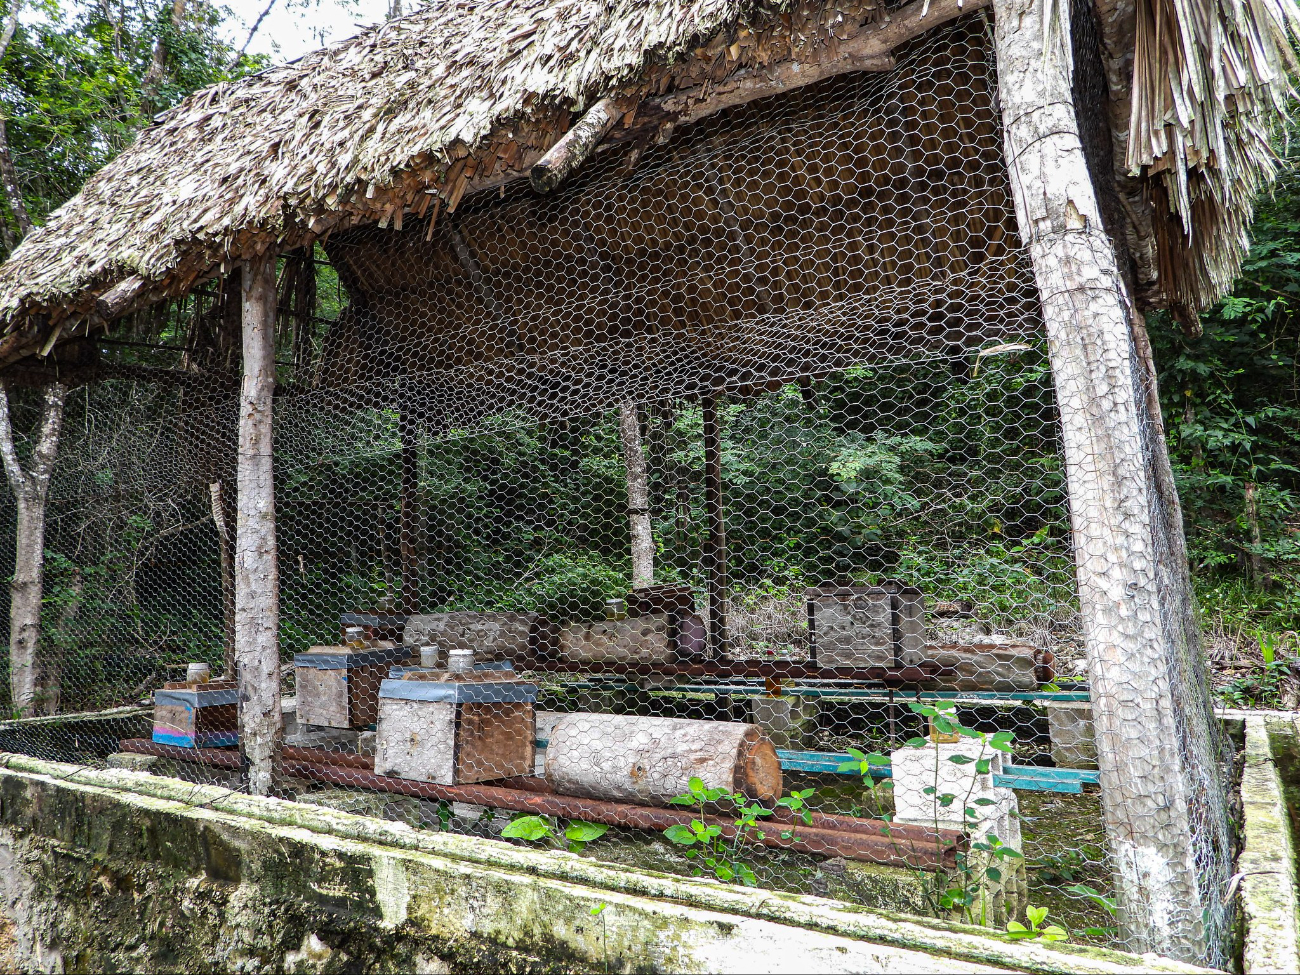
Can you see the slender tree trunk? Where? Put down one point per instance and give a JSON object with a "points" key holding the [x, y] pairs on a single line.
{"points": [[227, 567], [153, 78], [716, 546], [9, 175], [408, 516], [638, 496], [1257, 573], [25, 606], [257, 582], [1149, 734], [30, 488]]}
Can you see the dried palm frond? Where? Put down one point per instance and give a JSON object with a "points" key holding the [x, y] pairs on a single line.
{"points": [[1211, 79]]}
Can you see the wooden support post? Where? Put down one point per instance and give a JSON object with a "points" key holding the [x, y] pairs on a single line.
{"points": [[257, 583], [1154, 742], [638, 496], [715, 550], [408, 518]]}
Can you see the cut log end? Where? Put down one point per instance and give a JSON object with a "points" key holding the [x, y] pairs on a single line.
{"points": [[758, 769]]}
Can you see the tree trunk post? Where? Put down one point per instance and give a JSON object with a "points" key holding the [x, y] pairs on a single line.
{"points": [[1154, 746], [31, 489], [716, 546], [257, 583], [638, 496]]}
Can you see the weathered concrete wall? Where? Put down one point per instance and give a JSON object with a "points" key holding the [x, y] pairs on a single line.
{"points": [[1267, 865], [122, 871]]}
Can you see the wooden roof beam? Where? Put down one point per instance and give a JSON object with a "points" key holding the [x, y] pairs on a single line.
{"points": [[867, 50]]}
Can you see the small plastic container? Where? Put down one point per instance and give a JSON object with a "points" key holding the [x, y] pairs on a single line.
{"points": [[198, 673], [430, 655]]}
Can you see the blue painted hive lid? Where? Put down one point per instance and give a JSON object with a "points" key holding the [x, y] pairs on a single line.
{"points": [[198, 697], [344, 658], [415, 687]]}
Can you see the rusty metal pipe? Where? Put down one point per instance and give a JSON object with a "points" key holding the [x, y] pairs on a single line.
{"points": [[845, 836]]}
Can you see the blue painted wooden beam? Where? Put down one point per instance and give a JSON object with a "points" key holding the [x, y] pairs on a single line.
{"points": [[1028, 778]]}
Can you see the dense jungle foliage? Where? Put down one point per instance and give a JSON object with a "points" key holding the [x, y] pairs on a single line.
{"points": [[945, 474]]}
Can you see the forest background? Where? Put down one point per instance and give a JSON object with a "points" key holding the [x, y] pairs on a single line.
{"points": [[79, 80]]}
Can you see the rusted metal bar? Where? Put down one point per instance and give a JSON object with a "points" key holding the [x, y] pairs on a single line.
{"points": [[922, 673], [872, 841]]}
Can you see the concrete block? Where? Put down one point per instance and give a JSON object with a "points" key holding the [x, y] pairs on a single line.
{"points": [[322, 736], [791, 722], [1073, 742], [994, 813], [932, 767]]}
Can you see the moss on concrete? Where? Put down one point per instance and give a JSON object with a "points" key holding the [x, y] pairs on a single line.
{"points": [[117, 870]]}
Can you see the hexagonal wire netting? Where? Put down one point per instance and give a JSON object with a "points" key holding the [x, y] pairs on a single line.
{"points": [[724, 473]]}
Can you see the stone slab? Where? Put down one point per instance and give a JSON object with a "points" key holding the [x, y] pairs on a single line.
{"points": [[1269, 901]]}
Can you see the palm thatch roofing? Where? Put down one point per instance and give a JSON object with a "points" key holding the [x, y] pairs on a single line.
{"points": [[466, 94]]}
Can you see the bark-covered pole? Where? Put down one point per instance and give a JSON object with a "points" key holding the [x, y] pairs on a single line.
{"points": [[638, 496], [408, 513], [257, 583], [1146, 739], [26, 591], [716, 545]]}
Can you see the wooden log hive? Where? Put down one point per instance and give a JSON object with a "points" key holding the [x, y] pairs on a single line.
{"points": [[649, 761]]}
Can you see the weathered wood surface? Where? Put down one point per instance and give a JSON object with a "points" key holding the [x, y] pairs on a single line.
{"points": [[455, 743], [575, 146], [866, 626], [638, 639], [638, 496], [1143, 748], [505, 635], [257, 580], [338, 687], [651, 760]]}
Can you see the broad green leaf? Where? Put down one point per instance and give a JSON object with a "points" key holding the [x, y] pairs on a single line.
{"points": [[582, 832], [680, 834]]}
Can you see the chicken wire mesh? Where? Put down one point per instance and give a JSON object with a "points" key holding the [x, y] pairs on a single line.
{"points": [[709, 515]]}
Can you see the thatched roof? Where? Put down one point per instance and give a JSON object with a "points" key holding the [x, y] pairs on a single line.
{"points": [[467, 93]]}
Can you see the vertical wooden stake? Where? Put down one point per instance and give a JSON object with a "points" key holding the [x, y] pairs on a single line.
{"points": [[638, 496], [1154, 739], [716, 546], [408, 517], [257, 583], [217, 496]]}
